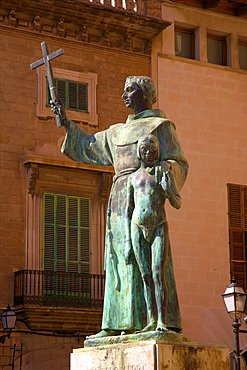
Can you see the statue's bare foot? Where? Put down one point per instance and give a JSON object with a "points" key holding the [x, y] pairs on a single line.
{"points": [[149, 327], [104, 333], [161, 327]]}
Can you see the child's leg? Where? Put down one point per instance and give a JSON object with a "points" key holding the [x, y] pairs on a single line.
{"points": [[142, 251], [159, 255]]}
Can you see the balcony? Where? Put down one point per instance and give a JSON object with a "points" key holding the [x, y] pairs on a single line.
{"points": [[59, 301], [128, 25], [142, 7], [64, 289]]}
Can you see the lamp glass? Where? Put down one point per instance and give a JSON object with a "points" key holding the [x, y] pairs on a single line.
{"points": [[229, 302], [234, 298], [8, 318]]}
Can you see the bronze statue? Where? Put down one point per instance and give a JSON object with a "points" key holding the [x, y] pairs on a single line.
{"points": [[147, 230], [125, 307]]}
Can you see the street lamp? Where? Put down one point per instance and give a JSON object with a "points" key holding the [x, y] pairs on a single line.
{"points": [[8, 322], [235, 300]]}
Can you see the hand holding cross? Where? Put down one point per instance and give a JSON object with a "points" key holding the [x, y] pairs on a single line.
{"points": [[57, 106]]}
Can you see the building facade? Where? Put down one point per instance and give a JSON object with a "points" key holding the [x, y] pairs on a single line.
{"points": [[200, 66], [53, 209]]}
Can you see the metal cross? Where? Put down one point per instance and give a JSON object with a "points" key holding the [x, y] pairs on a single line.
{"points": [[46, 60]]}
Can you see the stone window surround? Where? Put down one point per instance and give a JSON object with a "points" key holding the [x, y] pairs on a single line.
{"points": [[206, 22], [201, 35], [191, 33], [90, 78], [45, 174]]}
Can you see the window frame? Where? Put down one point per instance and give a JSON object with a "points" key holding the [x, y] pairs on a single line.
{"points": [[242, 42], [91, 79], [67, 226], [66, 100], [191, 32], [45, 173], [222, 38]]}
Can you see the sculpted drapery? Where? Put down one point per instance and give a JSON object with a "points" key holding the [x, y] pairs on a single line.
{"points": [[124, 305]]}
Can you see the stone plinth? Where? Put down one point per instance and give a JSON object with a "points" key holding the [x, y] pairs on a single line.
{"points": [[153, 354]]}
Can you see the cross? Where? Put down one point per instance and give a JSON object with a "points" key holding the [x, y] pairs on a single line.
{"points": [[46, 60]]}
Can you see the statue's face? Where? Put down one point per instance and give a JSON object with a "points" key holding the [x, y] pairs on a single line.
{"points": [[133, 96], [149, 152]]}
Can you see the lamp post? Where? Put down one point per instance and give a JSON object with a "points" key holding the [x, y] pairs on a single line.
{"points": [[235, 300], [8, 322]]}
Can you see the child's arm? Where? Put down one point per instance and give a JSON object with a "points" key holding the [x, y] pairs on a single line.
{"points": [[168, 184]]}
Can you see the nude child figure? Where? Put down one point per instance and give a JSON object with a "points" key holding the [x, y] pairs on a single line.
{"points": [[147, 228]]}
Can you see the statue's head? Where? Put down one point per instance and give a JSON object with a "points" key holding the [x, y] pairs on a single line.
{"points": [[139, 93], [148, 149]]}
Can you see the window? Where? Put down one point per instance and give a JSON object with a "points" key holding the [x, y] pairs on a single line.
{"points": [[216, 45], [66, 206], [66, 249], [56, 186], [77, 91], [66, 233], [242, 52], [237, 216], [74, 95], [184, 42]]}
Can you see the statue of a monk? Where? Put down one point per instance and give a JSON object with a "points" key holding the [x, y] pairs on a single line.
{"points": [[124, 303]]}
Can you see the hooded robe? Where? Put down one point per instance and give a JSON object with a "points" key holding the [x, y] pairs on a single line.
{"points": [[124, 304]]}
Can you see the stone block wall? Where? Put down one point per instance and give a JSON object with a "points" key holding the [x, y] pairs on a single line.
{"points": [[208, 104], [22, 131]]}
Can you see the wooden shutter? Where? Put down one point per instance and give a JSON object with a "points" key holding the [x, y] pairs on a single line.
{"points": [[49, 232], [66, 233], [82, 97], [73, 94], [234, 206], [237, 216], [84, 235], [60, 85], [245, 208]]}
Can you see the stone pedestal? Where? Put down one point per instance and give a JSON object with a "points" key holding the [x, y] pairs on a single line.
{"points": [[153, 354]]}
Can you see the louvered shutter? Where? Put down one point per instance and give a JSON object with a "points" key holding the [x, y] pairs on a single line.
{"points": [[61, 89], [82, 97], [237, 215], [66, 233], [245, 210], [73, 94], [49, 232], [237, 256], [234, 205]]}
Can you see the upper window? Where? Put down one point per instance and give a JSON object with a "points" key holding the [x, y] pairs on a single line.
{"points": [[216, 45], [242, 52], [184, 42], [76, 90], [74, 95], [237, 216]]}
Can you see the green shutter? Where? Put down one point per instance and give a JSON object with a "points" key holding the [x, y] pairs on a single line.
{"points": [[82, 97], [60, 85], [66, 233], [73, 94]]}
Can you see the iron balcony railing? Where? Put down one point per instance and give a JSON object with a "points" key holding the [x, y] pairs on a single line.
{"points": [[67, 289]]}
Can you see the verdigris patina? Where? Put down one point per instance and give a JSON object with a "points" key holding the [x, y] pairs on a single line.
{"points": [[146, 226], [125, 308]]}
